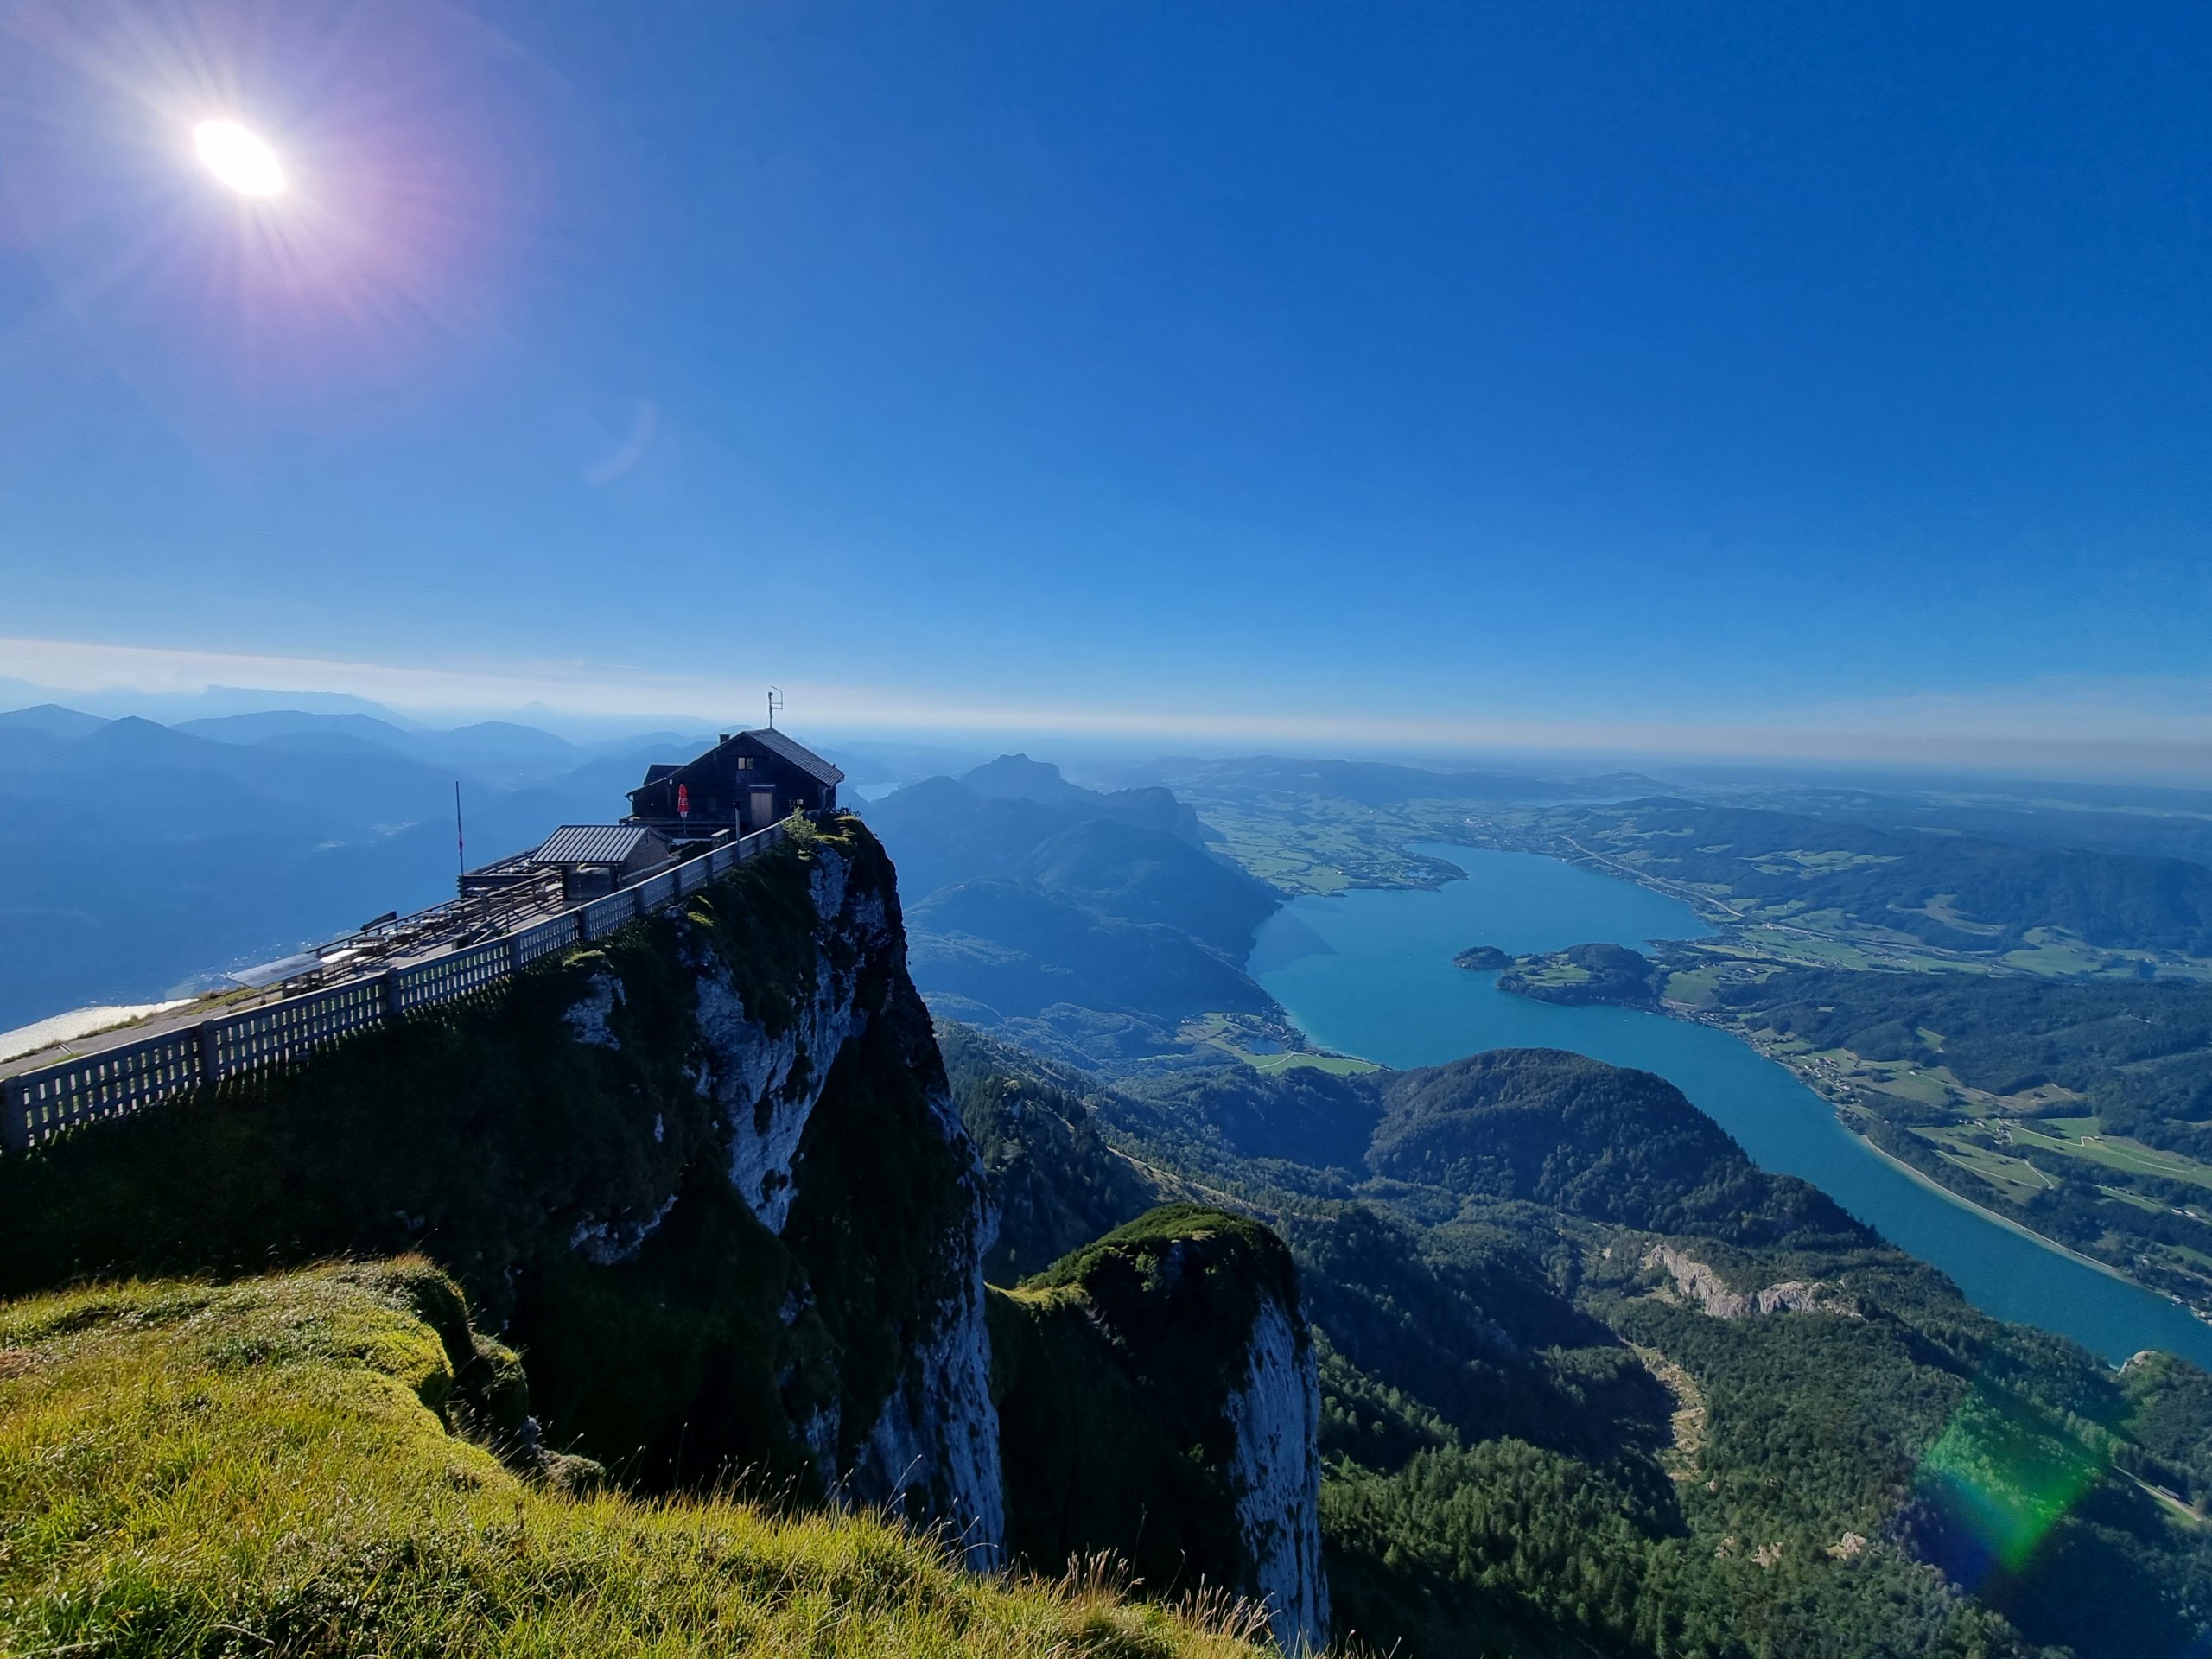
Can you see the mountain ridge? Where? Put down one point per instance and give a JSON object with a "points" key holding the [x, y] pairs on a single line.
{"points": [[706, 1176]]}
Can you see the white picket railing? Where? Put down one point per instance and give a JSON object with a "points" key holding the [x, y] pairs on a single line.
{"points": [[37, 1105]]}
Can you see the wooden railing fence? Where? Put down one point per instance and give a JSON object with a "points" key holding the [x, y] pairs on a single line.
{"points": [[37, 1105]]}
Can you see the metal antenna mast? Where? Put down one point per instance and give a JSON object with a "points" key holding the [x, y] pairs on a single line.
{"points": [[775, 706], [460, 841]]}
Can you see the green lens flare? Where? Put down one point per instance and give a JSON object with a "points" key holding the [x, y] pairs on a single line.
{"points": [[2004, 1476]]}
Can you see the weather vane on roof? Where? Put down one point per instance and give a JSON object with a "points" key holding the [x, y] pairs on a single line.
{"points": [[775, 704]]}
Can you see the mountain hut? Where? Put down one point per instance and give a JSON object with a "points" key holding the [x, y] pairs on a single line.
{"points": [[749, 780]]}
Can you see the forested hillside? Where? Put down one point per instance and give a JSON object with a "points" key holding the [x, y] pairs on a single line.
{"points": [[2142, 820], [1576, 1135], [1593, 1383]]}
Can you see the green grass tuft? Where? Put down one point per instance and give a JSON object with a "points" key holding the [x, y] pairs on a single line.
{"points": [[263, 1467]]}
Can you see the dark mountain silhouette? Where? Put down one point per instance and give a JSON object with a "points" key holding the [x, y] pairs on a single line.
{"points": [[138, 856], [1024, 890]]}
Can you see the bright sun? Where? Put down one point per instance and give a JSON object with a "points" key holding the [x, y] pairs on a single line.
{"points": [[239, 158]]}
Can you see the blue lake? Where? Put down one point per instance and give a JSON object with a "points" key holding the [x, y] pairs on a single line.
{"points": [[1371, 973]]}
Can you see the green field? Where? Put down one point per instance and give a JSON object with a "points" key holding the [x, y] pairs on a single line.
{"points": [[1692, 986], [1930, 1087], [2058, 956], [2017, 1179], [1265, 1047], [1324, 847], [1555, 974], [2078, 1137], [1337, 1065]]}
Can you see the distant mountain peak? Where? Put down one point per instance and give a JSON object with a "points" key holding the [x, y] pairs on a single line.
{"points": [[52, 719], [1016, 777]]}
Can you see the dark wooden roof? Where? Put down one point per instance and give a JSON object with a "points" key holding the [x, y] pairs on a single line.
{"points": [[798, 753]]}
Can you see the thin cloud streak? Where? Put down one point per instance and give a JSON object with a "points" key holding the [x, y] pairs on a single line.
{"points": [[645, 427], [2148, 728]]}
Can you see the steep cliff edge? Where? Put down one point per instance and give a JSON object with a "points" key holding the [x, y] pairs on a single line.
{"points": [[1158, 1398], [285, 1464], [706, 1177]]}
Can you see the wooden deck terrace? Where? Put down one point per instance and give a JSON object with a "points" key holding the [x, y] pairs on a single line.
{"points": [[363, 980]]}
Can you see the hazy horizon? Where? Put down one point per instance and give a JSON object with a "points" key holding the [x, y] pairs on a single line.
{"points": [[1846, 759], [1576, 379]]}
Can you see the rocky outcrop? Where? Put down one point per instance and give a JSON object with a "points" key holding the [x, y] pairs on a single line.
{"points": [[1276, 1472], [587, 1017], [1158, 1400], [771, 1047], [704, 1172], [606, 1243], [766, 1073], [1697, 1283]]}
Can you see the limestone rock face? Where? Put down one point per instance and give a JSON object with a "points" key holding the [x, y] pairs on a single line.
{"points": [[767, 1080], [806, 1043], [1697, 1283], [937, 1438], [1276, 1471], [1160, 1399]]}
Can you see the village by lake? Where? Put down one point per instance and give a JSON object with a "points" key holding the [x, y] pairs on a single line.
{"points": [[1370, 972]]}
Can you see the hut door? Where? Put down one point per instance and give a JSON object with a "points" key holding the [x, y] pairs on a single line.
{"points": [[764, 807]]}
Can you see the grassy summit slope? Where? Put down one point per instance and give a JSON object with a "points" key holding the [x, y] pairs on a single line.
{"points": [[270, 1465]]}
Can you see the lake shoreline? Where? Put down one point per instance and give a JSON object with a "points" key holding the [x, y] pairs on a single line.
{"points": [[1814, 1081], [1371, 973], [1690, 1015]]}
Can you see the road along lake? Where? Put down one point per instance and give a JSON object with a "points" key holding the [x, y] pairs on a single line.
{"points": [[1369, 973]]}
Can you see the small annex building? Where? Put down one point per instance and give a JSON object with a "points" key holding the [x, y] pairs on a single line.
{"points": [[747, 781], [594, 859], [591, 860]]}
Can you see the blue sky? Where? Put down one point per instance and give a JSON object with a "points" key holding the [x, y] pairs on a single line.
{"points": [[1652, 374]]}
